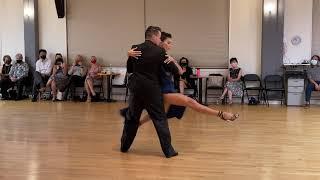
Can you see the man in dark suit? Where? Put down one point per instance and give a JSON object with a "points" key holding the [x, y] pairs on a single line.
{"points": [[144, 86]]}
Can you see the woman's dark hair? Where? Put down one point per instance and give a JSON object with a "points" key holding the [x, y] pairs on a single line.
{"points": [[165, 35], [42, 50], [232, 60], [59, 61], [58, 54], [184, 58], [6, 56], [316, 57]]}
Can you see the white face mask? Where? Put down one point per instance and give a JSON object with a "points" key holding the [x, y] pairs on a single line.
{"points": [[313, 62]]}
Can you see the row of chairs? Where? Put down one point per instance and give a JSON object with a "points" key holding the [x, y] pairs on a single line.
{"points": [[272, 88]]}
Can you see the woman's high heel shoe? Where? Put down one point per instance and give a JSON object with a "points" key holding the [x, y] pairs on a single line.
{"points": [[222, 115]]}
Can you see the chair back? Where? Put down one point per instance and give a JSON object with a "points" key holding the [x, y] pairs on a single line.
{"points": [[273, 82], [251, 81], [215, 81]]}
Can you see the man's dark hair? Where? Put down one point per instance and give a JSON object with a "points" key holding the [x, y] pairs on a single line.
{"points": [[42, 50], [152, 30], [232, 60], [165, 35]]}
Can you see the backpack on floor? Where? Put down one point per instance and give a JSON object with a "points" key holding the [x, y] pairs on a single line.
{"points": [[253, 101]]}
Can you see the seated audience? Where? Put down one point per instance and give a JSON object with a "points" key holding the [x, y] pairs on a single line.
{"points": [[42, 74], [6, 66], [185, 80], [77, 73], [234, 84], [92, 76], [4, 76], [313, 77], [59, 79], [18, 75]]}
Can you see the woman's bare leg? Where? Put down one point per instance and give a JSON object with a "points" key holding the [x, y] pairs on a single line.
{"points": [[90, 85], [54, 90], [182, 100], [230, 96], [88, 90], [49, 82], [224, 93], [145, 119], [182, 85]]}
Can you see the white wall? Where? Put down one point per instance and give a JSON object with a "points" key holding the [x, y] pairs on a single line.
{"points": [[298, 21], [244, 33], [52, 30], [245, 29], [1, 7], [12, 28]]}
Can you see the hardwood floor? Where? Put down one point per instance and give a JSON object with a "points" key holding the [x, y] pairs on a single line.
{"points": [[55, 141]]}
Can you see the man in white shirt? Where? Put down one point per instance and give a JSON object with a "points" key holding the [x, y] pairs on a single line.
{"points": [[42, 74]]}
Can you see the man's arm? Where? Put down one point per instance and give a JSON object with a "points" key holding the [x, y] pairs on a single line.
{"points": [[131, 61], [38, 66], [311, 79], [11, 72], [25, 70], [49, 68]]}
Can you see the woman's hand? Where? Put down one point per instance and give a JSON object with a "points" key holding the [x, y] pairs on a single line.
{"points": [[184, 69], [169, 60], [133, 53]]}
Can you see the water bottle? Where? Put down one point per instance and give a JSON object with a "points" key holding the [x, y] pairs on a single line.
{"points": [[198, 72], [194, 71], [109, 69]]}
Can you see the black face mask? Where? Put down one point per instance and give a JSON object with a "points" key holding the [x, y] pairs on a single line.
{"points": [[184, 64], [43, 57], [19, 61]]}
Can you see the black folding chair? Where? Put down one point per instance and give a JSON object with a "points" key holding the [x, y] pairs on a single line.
{"points": [[252, 83], [214, 90], [274, 88]]}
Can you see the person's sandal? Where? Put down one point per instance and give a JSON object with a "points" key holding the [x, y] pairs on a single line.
{"points": [[221, 116]]}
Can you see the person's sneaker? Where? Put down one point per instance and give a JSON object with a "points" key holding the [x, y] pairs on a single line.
{"points": [[4, 98], [307, 105], [34, 99]]}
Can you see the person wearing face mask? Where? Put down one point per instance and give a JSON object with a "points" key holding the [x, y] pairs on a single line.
{"points": [[313, 77], [42, 74], [6, 67], [185, 81], [92, 76], [17, 76], [4, 76], [59, 79], [234, 84], [77, 73]]}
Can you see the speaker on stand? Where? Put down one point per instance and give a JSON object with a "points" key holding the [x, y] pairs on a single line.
{"points": [[60, 6]]}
